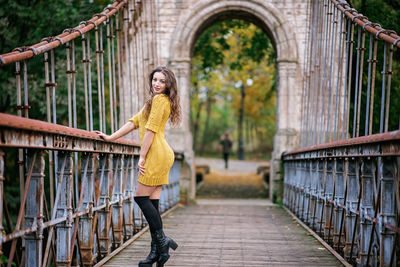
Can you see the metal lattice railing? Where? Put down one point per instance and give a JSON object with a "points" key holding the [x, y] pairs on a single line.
{"points": [[76, 191], [344, 181]]}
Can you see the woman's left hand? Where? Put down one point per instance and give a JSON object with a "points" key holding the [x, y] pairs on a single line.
{"points": [[141, 167]]}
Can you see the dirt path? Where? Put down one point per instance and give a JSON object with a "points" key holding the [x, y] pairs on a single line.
{"points": [[240, 180]]}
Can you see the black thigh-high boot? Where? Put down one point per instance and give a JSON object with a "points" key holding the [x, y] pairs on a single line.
{"points": [[153, 255], [149, 208], [163, 244]]}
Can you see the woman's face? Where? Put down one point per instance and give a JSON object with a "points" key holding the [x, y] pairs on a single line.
{"points": [[158, 82]]}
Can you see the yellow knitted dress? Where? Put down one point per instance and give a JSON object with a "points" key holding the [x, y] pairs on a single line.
{"points": [[160, 156]]}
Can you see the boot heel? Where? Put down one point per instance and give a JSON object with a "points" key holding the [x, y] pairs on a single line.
{"points": [[173, 244], [162, 262], [145, 265]]}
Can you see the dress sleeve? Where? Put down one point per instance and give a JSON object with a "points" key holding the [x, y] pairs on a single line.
{"points": [[158, 107], [135, 119]]}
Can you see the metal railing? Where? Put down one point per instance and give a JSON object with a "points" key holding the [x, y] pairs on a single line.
{"points": [[76, 191], [344, 181], [91, 214]]}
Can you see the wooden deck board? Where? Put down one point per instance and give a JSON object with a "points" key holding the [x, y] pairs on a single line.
{"points": [[232, 235]]}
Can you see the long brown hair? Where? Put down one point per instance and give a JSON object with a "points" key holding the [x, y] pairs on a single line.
{"points": [[171, 91]]}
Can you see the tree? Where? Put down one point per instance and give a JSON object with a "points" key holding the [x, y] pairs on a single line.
{"points": [[227, 52]]}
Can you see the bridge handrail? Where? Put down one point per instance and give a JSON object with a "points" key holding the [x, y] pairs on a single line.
{"points": [[389, 143], [41, 127], [374, 28], [108, 211], [47, 44]]}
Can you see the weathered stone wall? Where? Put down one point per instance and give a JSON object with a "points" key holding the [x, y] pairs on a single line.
{"points": [[180, 22]]}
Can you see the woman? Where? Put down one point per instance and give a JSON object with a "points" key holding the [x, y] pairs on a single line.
{"points": [[156, 156]]}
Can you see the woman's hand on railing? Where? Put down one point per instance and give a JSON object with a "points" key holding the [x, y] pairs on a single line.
{"points": [[103, 136]]}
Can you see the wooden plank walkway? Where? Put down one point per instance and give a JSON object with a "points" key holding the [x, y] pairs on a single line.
{"points": [[233, 233]]}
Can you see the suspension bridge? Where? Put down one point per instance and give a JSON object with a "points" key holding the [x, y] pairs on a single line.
{"points": [[335, 164]]}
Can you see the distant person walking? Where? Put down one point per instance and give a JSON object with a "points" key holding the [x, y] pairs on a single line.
{"points": [[226, 143]]}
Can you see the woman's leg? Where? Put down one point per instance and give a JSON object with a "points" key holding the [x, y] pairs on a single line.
{"points": [[150, 211]]}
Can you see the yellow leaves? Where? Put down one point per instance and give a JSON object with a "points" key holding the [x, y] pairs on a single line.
{"points": [[219, 85]]}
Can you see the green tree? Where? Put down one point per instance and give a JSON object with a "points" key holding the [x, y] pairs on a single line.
{"points": [[227, 52]]}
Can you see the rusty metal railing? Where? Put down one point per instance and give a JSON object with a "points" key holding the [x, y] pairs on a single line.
{"points": [[342, 81], [76, 191], [348, 193], [83, 229], [344, 181]]}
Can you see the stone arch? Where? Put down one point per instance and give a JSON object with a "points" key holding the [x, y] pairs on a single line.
{"points": [[203, 14]]}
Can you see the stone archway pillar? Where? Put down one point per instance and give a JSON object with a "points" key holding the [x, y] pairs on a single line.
{"points": [[180, 137], [288, 117]]}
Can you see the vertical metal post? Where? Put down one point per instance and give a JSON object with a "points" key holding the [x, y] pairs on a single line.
{"points": [[367, 207], [34, 209], [69, 81], [368, 85], [103, 224], [74, 112], [356, 81], [360, 82], [329, 190], [119, 24], [114, 89], [307, 190], [99, 84], [313, 191], [315, 71], [349, 77], [128, 203], [85, 80], [128, 60], [73, 74], [25, 78], [387, 210], [89, 79], [321, 196], [353, 190], [21, 169], [331, 74], [381, 120], [371, 108], [306, 101], [110, 80], [306, 74], [63, 230], [342, 33], [302, 178], [53, 86], [117, 195], [339, 200], [86, 202], [389, 76], [102, 79]]}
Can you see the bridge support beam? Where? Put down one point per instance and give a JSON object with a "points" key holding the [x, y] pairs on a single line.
{"points": [[86, 222], [34, 209], [64, 208]]}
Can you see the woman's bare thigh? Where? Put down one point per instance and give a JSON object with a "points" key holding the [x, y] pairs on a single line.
{"points": [[153, 192]]}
